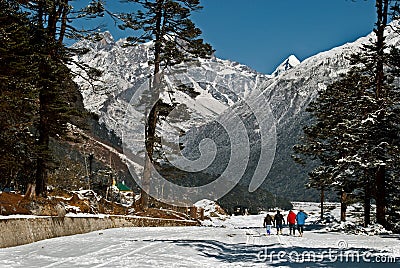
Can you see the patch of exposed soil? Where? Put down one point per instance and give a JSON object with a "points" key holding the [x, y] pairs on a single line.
{"points": [[12, 203], [58, 203]]}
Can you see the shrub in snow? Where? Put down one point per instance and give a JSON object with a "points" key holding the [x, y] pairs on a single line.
{"points": [[328, 219], [352, 228]]}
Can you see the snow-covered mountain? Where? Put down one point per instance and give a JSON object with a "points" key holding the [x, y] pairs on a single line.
{"points": [[219, 83], [290, 93], [223, 86], [286, 65]]}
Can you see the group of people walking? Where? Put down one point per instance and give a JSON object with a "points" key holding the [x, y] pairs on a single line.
{"points": [[279, 220]]}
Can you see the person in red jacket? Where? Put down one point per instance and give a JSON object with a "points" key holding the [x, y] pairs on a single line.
{"points": [[291, 219]]}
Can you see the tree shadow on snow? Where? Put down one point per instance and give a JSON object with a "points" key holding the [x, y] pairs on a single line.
{"points": [[276, 255]]}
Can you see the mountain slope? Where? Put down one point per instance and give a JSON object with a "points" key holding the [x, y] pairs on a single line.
{"points": [[223, 88], [217, 85], [289, 94]]}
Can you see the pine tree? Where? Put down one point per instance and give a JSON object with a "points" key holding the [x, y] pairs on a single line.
{"points": [[355, 135], [49, 19], [176, 39], [326, 139], [375, 62], [51, 79], [18, 99]]}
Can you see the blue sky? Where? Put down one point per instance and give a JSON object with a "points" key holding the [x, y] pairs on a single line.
{"points": [[262, 33]]}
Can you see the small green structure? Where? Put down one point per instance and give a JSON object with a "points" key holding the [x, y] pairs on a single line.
{"points": [[122, 187]]}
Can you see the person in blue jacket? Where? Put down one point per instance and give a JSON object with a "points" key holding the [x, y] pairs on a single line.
{"points": [[301, 220]]}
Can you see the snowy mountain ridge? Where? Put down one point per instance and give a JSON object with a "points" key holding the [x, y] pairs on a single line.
{"points": [[222, 85], [219, 84], [124, 67]]}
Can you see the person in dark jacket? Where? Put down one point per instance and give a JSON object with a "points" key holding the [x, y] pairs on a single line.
{"points": [[268, 223], [279, 221], [301, 220], [291, 220]]}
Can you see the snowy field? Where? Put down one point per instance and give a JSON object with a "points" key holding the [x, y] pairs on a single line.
{"points": [[237, 241]]}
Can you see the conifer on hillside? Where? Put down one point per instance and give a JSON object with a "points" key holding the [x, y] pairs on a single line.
{"points": [[355, 134], [176, 39]]}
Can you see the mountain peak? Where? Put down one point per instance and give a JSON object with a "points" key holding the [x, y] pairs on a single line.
{"points": [[106, 39], [286, 65]]}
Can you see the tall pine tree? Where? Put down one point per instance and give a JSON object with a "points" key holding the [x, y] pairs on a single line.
{"points": [[176, 39], [356, 128], [48, 25], [18, 98]]}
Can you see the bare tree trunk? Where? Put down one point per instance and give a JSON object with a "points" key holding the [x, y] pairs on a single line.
{"points": [[380, 181], [151, 122], [30, 192], [343, 205], [322, 198], [41, 169], [64, 21], [380, 197], [382, 12], [144, 197], [367, 201]]}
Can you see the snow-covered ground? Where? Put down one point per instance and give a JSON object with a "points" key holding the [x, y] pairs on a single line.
{"points": [[237, 241]]}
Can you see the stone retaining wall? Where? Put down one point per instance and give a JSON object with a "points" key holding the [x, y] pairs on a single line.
{"points": [[15, 232]]}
